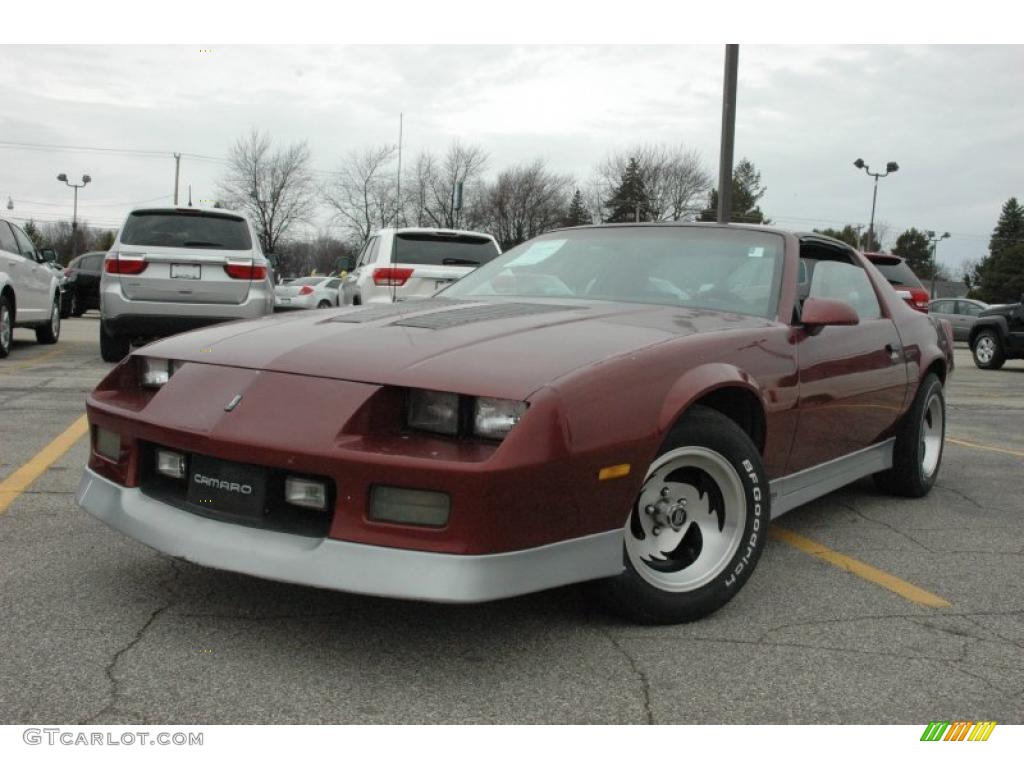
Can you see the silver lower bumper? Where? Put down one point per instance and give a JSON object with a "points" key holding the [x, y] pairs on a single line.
{"points": [[344, 565]]}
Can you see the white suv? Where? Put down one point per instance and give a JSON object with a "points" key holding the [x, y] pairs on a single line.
{"points": [[412, 263], [29, 289], [174, 269]]}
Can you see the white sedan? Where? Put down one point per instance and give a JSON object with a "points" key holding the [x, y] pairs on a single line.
{"points": [[307, 293]]}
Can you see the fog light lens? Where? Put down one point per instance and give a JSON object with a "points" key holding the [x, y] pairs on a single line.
{"points": [[412, 507], [108, 444], [305, 493], [170, 464]]}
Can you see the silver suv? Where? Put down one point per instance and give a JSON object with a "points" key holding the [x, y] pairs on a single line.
{"points": [[174, 269]]}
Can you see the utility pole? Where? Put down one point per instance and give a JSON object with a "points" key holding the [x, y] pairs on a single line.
{"points": [[732, 60], [177, 170], [935, 259], [890, 167], [86, 178]]}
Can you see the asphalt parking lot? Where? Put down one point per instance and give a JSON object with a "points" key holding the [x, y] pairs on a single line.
{"points": [[97, 628]]}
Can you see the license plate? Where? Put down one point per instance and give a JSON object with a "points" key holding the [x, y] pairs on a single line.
{"points": [[223, 486], [284, 301], [185, 271]]}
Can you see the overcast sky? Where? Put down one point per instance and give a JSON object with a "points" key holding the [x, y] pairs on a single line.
{"points": [[951, 116]]}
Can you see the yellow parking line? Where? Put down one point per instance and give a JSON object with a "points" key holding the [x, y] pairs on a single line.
{"points": [[904, 589], [11, 367], [983, 447], [12, 487]]}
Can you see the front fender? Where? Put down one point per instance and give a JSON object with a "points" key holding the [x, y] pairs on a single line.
{"points": [[700, 381], [997, 322]]}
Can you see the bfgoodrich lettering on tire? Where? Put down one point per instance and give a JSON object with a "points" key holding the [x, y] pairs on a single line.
{"points": [[698, 526]]}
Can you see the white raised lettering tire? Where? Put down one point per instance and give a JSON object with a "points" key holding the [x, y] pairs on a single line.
{"points": [[697, 527], [917, 455]]}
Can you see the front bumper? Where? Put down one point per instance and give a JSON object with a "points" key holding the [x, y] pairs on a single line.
{"points": [[344, 565]]}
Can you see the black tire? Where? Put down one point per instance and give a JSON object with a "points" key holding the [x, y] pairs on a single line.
{"points": [[632, 594], [50, 333], [65, 307], [6, 326], [324, 304], [77, 310], [985, 338], [113, 349], [911, 475]]}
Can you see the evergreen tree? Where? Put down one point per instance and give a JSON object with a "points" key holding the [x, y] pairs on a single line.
{"points": [[746, 192], [999, 277], [630, 198], [37, 238], [578, 213], [914, 248], [850, 235]]}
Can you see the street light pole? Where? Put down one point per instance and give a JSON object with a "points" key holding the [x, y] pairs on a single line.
{"points": [[86, 178], [732, 61], [890, 167], [935, 257]]}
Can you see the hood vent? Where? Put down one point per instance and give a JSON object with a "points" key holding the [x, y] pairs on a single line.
{"points": [[384, 311], [451, 318]]}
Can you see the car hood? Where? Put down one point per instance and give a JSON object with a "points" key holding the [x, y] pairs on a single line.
{"points": [[495, 348]]}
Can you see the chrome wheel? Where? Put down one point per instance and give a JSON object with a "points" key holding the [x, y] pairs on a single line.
{"points": [[55, 319], [932, 431], [985, 349], [5, 327], [688, 520]]}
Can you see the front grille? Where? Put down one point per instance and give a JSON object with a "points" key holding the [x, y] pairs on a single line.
{"points": [[272, 514]]}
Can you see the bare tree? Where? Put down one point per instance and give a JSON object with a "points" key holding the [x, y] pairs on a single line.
{"points": [[431, 184], [274, 187], [524, 201], [364, 194], [675, 179]]}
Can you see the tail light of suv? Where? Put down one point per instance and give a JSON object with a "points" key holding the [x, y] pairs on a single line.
{"points": [[245, 271], [392, 276], [917, 298], [120, 264]]}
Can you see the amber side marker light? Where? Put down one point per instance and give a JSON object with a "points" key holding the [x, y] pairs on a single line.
{"points": [[610, 473]]}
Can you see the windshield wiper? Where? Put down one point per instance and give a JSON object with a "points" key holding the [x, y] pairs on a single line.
{"points": [[460, 263], [201, 243]]}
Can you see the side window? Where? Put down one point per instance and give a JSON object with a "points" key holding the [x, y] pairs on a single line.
{"points": [[24, 244], [966, 308], [94, 263], [332, 284], [7, 241], [370, 254], [945, 307], [845, 282]]}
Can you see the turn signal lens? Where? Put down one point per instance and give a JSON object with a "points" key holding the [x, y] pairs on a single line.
{"points": [[108, 444], [170, 464], [409, 506]]}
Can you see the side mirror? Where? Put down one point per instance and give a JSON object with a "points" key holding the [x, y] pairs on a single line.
{"points": [[48, 254], [818, 313]]}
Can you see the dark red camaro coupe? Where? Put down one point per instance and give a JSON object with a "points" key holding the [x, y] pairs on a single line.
{"points": [[628, 405]]}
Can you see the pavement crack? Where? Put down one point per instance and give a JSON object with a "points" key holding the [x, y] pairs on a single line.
{"points": [[110, 670], [894, 529], [634, 665]]}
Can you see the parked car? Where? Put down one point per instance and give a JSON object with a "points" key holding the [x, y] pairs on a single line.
{"points": [[623, 403], [48, 258], [174, 269], [308, 293], [998, 335], [82, 289], [29, 289], [399, 264], [961, 313], [907, 285]]}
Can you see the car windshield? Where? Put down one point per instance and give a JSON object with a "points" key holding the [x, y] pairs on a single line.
{"points": [[732, 270], [184, 229]]}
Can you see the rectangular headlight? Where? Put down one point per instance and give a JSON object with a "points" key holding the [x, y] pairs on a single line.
{"points": [[305, 493], [494, 418], [108, 444], [409, 506], [433, 411], [170, 464], [154, 372]]}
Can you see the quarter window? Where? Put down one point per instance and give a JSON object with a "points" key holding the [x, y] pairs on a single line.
{"points": [[845, 282], [24, 244]]}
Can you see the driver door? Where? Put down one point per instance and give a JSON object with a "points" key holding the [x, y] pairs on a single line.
{"points": [[852, 379]]}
